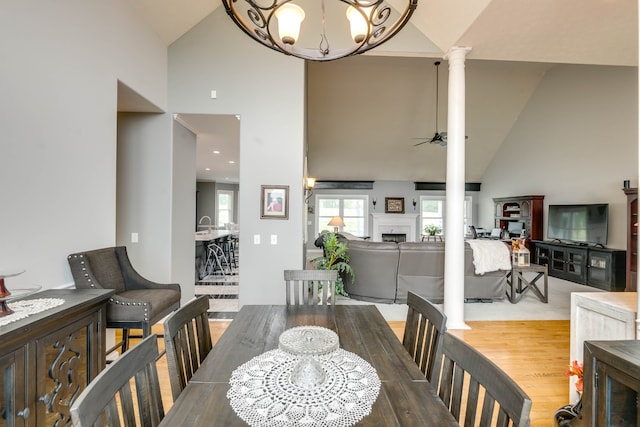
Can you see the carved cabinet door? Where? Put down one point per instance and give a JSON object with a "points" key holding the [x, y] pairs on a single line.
{"points": [[66, 360], [13, 394]]}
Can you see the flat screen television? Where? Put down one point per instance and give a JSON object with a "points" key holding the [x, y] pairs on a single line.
{"points": [[583, 224]]}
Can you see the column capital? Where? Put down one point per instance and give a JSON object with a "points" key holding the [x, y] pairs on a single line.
{"points": [[457, 52]]}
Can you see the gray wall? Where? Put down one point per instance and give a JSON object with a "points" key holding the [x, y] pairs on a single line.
{"points": [[183, 210], [143, 191], [576, 141], [207, 200], [267, 90], [61, 62], [381, 189]]}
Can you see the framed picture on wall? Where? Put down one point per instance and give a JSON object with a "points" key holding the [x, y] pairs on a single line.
{"points": [[394, 205], [274, 202]]}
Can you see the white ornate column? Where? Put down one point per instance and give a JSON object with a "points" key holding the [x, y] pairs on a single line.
{"points": [[455, 190]]}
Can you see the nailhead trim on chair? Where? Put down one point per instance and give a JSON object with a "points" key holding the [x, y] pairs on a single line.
{"points": [[146, 309], [86, 275]]}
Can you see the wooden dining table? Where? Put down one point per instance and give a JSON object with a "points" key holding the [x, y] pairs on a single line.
{"points": [[406, 398]]}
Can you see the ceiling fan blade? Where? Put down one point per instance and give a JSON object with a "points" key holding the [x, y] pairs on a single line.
{"points": [[422, 142]]}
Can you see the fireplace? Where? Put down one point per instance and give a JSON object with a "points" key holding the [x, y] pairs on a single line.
{"points": [[394, 224], [394, 237]]}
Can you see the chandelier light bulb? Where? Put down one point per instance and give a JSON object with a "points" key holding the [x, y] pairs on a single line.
{"points": [[358, 24], [290, 17]]}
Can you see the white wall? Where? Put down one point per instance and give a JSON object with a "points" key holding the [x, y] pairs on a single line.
{"points": [[576, 141], [267, 90], [60, 65]]}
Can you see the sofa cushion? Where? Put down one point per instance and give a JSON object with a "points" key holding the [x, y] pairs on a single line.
{"points": [[421, 270], [375, 265]]}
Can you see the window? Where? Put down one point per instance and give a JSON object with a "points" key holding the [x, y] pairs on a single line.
{"points": [[352, 209], [224, 207], [432, 211]]}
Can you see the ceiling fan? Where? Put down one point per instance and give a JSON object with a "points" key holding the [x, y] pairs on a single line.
{"points": [[438, 137]]}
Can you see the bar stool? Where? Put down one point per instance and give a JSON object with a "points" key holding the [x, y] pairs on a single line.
{"points": [[227, 245], [216, 261]]}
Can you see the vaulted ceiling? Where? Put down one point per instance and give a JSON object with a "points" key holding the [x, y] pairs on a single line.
{"points": [[372, 125]]}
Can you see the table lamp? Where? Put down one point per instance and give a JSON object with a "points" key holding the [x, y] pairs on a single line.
{"points": [[336, 221]]}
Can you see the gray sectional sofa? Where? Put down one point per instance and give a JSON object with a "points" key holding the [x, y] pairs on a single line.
{"points": [[386, 271]]}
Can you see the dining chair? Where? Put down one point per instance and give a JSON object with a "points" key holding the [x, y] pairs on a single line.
{"points": [[110, 396], [472, 386], [310, 287], [187, 340], [137, 304], [423, 332]]}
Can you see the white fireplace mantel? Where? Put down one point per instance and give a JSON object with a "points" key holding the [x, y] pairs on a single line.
{"points": [[394, 224]]}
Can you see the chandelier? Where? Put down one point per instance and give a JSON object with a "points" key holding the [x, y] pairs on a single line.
{"points": [[355, 26]]}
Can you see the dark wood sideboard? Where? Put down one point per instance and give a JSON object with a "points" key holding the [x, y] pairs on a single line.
{"points": [[611, 384], [48, 358], [632, 238], [601, 268]]}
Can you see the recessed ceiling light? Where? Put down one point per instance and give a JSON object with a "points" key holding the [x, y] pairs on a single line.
{"points": [[231, 161], [216, 152], [207, 169]]}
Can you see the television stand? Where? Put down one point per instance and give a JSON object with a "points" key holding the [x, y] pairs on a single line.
{"points": [[594, 266]]}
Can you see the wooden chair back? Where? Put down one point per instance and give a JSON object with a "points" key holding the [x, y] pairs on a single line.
{"points": [[423, 332], [310, 287], [110, 397], [474, 387], [187, 340]]}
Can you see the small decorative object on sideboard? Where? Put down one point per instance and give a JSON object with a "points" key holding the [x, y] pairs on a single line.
{"points": [[4, 292]]}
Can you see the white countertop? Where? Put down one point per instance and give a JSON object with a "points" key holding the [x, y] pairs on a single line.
{"points": [[213, 234]]}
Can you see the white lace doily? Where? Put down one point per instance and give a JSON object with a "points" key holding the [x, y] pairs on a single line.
{"points": [[262, 393], [26, 308]]}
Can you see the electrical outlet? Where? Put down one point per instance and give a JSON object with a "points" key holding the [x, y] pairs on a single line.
{"points": [[134, 237]]}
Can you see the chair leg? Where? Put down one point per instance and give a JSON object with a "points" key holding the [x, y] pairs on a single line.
{"points": [[125, 340]]}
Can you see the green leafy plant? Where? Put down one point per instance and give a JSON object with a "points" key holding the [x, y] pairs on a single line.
{"points": [[432, 229], [335, 257]]}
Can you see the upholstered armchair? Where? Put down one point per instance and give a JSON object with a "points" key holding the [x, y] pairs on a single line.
{"points": [[137, 304]]}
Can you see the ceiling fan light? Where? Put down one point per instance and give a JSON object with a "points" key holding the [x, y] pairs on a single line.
{"points": [[290, 17], [358, 23]]}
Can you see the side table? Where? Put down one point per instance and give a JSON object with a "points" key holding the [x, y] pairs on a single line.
{"points": [[518, 285]]}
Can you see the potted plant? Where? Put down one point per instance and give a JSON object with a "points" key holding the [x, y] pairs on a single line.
{"points": [[335, 257], [432, 229]]}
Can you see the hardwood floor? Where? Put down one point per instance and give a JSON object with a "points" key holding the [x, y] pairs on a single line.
{"points": [[534, 353]]}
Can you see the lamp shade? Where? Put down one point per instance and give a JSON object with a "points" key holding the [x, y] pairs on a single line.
{"points": [[358, 24], [311, 182], [290, 16], [336, 222]]}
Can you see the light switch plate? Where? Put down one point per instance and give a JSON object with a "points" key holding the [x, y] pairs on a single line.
{"points": [[256, 239], [274, 239]]}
